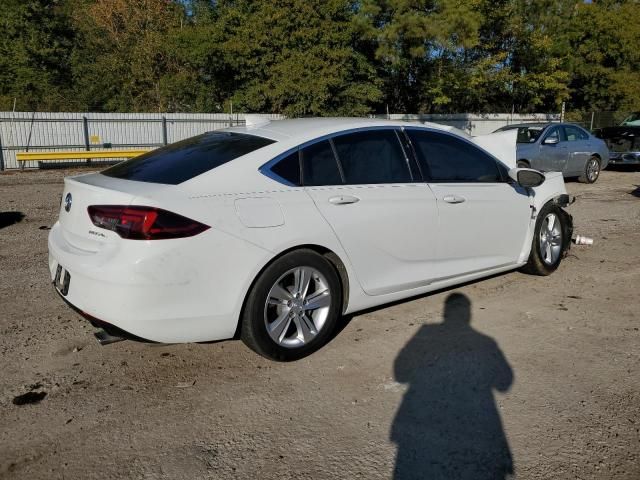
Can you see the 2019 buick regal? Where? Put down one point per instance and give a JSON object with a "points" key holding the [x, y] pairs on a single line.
{"points": [[273, 230]]}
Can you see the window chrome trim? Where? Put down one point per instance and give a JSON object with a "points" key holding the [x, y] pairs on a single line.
{"points": [[265, 169]]}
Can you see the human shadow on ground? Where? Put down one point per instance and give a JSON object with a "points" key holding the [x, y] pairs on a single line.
{"points": [[9, 218], [448, 425]]}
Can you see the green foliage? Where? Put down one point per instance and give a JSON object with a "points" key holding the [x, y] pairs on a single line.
{"points": [[320, 57]]}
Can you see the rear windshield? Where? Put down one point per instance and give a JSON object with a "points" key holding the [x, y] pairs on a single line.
{"points": [[189, 158]]}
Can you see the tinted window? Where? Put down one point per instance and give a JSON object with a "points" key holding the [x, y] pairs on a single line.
{"points": [[449, 159], [319, 165], [288, 168], [189, 158], [574, 134], [373, 156]]}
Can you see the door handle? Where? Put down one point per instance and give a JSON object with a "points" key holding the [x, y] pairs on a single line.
{"points": [[343, 200], [453, 199]]}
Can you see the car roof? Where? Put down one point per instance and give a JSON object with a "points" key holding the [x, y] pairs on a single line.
{"points": [[308, 128]]}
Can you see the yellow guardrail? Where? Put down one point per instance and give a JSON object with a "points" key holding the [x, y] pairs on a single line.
{"points": [[43, 156]]}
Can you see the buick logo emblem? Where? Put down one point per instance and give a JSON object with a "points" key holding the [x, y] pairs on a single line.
{"points": [[67, 202]]}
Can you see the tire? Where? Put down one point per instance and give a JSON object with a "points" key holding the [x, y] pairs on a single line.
{"points": [[281, 326], [545, 257], [591, 171], [523, 164]]}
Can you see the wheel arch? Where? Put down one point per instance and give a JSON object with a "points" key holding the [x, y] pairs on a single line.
{"points": [[327, 253]]}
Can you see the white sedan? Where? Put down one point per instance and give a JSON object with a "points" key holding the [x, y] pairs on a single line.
{"points": [[271, 231]]}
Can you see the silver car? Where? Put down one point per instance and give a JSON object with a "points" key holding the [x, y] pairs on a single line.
{"points": [[561, 147]]}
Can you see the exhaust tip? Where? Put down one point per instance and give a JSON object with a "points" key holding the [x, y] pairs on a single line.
{"points": [[105, 338]]}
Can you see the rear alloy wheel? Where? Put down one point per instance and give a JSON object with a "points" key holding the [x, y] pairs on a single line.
{"points": [[551, 238], [293, 307], [591, 171]]}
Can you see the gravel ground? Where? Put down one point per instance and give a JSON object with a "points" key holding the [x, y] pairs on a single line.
{"points": [[530, 374]]}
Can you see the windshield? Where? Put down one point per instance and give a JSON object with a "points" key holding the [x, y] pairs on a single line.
{"points": [[189, 158], [529, 134]]}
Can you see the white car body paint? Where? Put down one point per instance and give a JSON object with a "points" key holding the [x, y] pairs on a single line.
{"points": [[395, 241]]}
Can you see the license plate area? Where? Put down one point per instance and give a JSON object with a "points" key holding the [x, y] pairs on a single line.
{"points": [[62, 280]]}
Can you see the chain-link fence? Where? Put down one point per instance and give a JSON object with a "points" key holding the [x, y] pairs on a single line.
{"points": [[595, 120]]}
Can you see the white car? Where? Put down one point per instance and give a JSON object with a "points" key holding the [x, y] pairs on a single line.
{"points": [[271, 231]]}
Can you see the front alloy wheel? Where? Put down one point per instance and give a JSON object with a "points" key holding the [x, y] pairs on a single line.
{"points": [[550, 243], [550, 240]]}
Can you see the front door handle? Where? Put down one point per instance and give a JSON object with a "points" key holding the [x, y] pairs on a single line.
{"points": [[453, 199], [343, 200]]}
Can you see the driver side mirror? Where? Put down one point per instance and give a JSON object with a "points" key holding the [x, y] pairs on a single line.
{"points": [[551, 141], [527, 177]]}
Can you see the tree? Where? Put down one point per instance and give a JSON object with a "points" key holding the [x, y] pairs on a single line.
{"points": [[603, 39], [296, 57], [121, 62], [35, 49]]}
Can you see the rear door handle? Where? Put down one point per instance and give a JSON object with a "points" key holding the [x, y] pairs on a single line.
{"points": [[453, 199], [343, 199]]}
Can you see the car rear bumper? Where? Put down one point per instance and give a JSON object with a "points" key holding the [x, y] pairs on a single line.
{"points": [[624, 158], [160, 290]]}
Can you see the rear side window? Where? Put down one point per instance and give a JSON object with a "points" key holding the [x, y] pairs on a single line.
{"points": [[187, 159], [574, 134], [373, 156], [288, 168], [319, 165], [449, 159]]}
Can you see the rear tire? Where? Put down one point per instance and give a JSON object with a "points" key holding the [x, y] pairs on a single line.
{"points": [[551, 239], [591, 171], [293, 307]]}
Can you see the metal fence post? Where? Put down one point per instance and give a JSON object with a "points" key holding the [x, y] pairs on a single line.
{"points": [[164, 130], [85, 128], [1, 156]]}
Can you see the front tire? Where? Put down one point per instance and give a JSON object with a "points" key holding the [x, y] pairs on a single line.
{"points": [[293, 307], [551, 239], [591, 171], [523, 164]]}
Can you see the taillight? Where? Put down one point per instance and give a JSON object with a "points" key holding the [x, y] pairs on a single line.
{"points": [[144, 223]]}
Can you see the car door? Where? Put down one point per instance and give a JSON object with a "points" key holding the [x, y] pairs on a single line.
{"points": [[385, 217], [579, 149], [553, 151], [484, 218]]}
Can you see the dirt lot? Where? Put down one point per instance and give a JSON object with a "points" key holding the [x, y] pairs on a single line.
{"points": [[545, 379]]}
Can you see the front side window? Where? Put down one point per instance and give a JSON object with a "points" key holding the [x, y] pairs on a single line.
{"points": [[372, 156], [319, 166], [555, 133], [187, 159], [449, 159], [574, 134]]}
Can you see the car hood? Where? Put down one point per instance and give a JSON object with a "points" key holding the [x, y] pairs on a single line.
{"points": [[621, 139]]}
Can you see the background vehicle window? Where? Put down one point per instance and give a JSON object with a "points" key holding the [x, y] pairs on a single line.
{"points": [[556, 132], [288, 168], [574, 134], [373, 156], [319, 166], [449, 159], [189, 158]]}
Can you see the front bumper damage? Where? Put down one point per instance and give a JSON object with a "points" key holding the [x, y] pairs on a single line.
{"points": [[624, 158]]}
